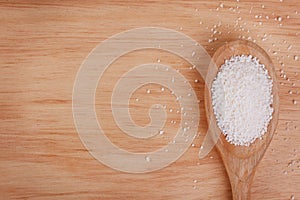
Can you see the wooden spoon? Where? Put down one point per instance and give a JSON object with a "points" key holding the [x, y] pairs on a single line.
{"points": [[240, 161]]}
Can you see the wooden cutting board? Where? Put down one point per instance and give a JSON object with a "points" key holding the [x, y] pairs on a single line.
{"points": [[42, 46]]}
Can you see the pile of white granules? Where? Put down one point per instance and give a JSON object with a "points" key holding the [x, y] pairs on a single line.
{"points": [[241, 99]]}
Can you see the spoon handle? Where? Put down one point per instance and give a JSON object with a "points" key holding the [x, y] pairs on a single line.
{"points": [[241, 188]]}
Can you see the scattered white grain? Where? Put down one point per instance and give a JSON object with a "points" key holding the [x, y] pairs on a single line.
{"points": [[294, 102], [173, 79], [292, 197], [148, 159], [279, 19]]}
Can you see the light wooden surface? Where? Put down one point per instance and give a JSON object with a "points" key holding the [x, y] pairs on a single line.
{"points": [[42, 45]]}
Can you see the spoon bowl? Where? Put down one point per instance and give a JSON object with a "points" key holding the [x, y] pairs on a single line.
{"points": [[241, 161]]}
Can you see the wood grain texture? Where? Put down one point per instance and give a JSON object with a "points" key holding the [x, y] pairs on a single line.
{"points": [[42, 45]]}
